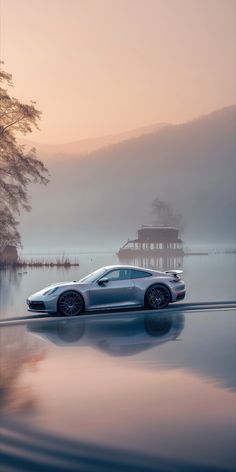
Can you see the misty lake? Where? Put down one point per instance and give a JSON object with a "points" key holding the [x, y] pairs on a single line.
{"points": [[132, 391]]}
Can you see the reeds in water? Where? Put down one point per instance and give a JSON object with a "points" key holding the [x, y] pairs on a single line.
{"points": [[58, 262]]}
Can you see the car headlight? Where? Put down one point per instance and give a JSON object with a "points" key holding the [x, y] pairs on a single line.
{"points": [[50, 291]]}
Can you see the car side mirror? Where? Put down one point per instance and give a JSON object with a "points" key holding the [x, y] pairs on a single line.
{"points": [[103, 280]]}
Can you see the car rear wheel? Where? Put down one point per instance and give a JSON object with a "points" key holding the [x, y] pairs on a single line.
{"points": [[70, 303], [157, 297]]}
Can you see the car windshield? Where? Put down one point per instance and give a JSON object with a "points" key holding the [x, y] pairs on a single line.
{"points": [[93, 276]]}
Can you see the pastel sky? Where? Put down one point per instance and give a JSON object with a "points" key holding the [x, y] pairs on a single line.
{"points": [[98, 67]]}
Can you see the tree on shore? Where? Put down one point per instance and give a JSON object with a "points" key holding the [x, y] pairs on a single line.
{"points": [[18, 167], [164, 214]]}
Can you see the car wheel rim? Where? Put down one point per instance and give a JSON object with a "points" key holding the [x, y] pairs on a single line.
{"points": [[71, 304], [158, 297]]}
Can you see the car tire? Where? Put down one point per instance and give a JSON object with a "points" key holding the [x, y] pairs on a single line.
{"points": [[157, 297], [70, 303]]}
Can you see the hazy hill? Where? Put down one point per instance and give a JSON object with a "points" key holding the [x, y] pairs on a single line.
{"points": [[86, 146], [102, 199]]}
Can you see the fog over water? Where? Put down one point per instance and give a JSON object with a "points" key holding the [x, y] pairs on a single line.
{"points": [[99, 200]]}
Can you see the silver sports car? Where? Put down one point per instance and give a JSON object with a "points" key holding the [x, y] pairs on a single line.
{"points": [[110, 287]]}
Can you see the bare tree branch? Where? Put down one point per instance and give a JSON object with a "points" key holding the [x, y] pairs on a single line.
{"points": [[18, 168]]}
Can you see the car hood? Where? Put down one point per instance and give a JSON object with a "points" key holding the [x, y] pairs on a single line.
{"points": [[57, 284], [54, 285]]}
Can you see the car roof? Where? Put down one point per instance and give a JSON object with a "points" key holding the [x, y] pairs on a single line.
{"points": [[111, 267]]}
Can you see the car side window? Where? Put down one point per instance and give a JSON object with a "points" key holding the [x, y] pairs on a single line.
{"points": [[139, 274], [114, 275], [119, 274]]}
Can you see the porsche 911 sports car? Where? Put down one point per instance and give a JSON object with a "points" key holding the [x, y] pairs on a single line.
{"points": [[110, 287]]}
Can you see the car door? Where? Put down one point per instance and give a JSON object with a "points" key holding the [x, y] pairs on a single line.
{"points": [[117, 291]]}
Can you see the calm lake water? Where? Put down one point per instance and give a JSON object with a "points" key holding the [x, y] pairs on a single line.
{"points": [[120, 392]]}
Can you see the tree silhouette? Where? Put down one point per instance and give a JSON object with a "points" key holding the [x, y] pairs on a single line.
{"points": [[164, 214], [18, 168]]}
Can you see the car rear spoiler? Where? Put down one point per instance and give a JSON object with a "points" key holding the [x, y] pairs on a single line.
{"points": [[174, 272]]}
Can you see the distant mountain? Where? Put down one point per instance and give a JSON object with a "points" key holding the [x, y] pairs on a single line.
{"points": [[101, 200], [86, 146]]}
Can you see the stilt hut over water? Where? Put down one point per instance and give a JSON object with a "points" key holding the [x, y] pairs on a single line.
{"points": [[158, 240]]}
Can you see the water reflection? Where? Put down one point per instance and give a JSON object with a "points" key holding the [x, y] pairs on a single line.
{"points": [[26, 448], [163, 262], [10, 282], [119, 335], [137, 389], [140, 335], [18, 354]]}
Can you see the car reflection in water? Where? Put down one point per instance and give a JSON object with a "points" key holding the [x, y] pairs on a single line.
{"points": [[121, 335]]}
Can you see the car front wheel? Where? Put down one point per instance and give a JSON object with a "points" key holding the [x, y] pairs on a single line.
{"points": [[70, 303], [157, 297]]}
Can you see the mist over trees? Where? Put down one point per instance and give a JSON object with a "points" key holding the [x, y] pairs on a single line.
{"points": [[18, 168], [164, 214], [106, 195]]}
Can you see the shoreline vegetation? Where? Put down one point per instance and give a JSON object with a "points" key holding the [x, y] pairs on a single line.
{"points": [[62, 261]]}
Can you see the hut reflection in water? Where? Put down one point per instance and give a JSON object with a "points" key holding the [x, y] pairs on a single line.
{"points": [[153, 262]]}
